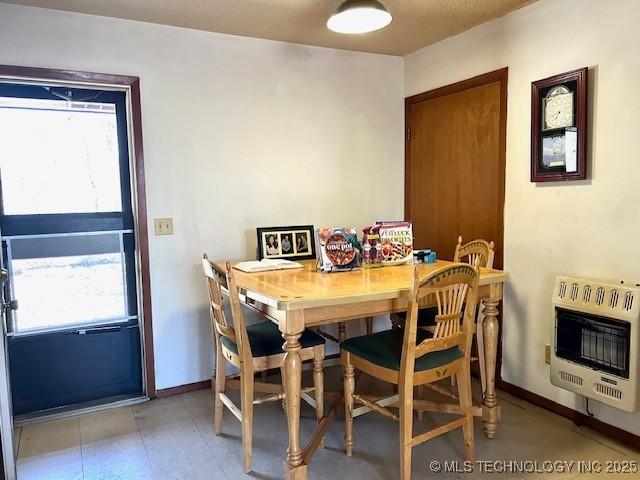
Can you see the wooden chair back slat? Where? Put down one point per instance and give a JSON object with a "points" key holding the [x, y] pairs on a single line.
{"points": [[450, 302], [228, 332], [478, 253]]}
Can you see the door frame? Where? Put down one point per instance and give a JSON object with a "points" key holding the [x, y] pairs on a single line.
{"points": [[131, 86], [501, 76]]}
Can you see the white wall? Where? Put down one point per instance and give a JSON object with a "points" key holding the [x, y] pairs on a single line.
{"points": [[586, 228], [238, 133]]}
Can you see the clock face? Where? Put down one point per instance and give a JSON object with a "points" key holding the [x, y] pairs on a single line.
{"points": [[558, 108]]}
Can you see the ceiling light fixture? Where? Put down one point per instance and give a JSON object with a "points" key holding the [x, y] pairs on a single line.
{"points": [[359, 16]]}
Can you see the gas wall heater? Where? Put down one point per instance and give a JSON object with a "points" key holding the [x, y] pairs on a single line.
{"points": [[596, 329]]}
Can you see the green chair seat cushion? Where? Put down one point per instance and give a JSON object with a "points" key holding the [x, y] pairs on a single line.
{"points": [[266, 339], [385, 349]]}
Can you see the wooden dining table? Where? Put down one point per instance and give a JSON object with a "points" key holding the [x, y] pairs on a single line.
{"points": [[301, 298]]}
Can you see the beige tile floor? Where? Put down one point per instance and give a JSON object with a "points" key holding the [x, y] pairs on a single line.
{"points": [[173, 438]]}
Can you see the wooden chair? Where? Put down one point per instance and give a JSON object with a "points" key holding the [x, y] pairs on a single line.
{"points": [[479, 253], [410, 357], [252, 348]]}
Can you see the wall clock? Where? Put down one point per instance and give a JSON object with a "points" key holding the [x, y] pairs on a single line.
{"points": [[559, 127]]}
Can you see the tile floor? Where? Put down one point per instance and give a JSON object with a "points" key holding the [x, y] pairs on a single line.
{"points": [[173, 438]]}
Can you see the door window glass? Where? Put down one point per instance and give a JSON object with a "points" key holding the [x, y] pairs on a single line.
{"points": [[59, 156], [67, 280]]}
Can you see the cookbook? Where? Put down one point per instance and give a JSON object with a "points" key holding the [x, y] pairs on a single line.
{"points": [[339, 249], [390, 243]]}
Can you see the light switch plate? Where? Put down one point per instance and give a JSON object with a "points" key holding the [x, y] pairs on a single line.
{"points": [[163, 226]]}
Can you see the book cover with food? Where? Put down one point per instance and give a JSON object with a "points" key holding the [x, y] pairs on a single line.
{"points": [[396, 239], [339, 249]]}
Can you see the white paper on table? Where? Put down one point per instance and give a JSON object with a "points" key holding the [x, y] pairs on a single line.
{"points": [[571, 150], [266, 264]]}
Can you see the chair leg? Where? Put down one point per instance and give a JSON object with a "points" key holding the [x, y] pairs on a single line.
{"points": [[246, 393], [349, 389], [406, 430], [420, 394], [464, 395], [342, 331], [219, 388], [318, 383], [369, 325], [396, 320]]}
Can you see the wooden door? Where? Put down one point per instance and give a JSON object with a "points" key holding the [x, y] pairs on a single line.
{"points": [[454, 164]]}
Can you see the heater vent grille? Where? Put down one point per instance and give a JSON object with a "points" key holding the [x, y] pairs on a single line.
{"points": [[608, 391], [586, 293], [562, 291], [574, 291], [613, 298], [616, 300], [571, 378], [599, 296], [628, 301]]}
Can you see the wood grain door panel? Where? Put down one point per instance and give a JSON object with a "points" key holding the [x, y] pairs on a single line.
{"points": [[455, 164]]}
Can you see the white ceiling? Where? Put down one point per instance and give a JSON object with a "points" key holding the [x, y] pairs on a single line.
{"points": [[416, 23]]}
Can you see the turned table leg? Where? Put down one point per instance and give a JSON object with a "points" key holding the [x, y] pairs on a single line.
{"points": [[490, 408], [294, 467]]}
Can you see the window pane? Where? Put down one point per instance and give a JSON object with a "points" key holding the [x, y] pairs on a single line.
{"points": [[58, 156], [62, 281]]}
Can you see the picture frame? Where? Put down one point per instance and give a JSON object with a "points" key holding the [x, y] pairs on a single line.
{"points": [[296, 242], [559, 127]]}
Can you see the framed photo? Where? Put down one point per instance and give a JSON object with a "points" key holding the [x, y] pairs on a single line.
{"points": [[294, 243], [559, 127]]}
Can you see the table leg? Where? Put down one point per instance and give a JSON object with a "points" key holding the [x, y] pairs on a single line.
{"points": [[490, 408], [294, 467]]}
